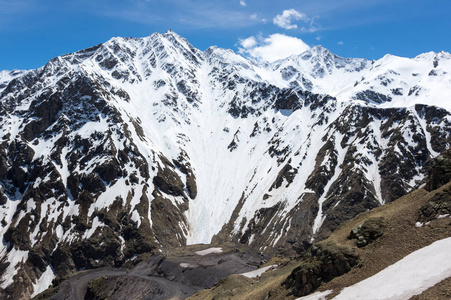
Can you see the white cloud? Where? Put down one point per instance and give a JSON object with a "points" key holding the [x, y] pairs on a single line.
{"points": [[254, 17], [274, 47], [242, 3], [340, 43], [287, 17], [312, 26], [318, 38], [248, 43]]}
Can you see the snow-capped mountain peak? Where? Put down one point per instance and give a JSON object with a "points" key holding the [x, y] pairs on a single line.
{"points": [[138, 142]]}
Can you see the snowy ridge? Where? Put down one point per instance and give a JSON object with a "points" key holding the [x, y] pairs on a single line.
{"points": [[144, 142]]}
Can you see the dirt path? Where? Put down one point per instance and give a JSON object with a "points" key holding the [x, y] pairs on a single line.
{"points": [[177, 277], [75, 288]]}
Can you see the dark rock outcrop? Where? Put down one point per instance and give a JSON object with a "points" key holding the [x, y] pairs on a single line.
{"points": [[438, 205], [439, 171], [368, 231], [322, 263]]}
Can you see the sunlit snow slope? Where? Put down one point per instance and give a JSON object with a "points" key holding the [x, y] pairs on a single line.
{"points": [[408, 277], [115, 150]]}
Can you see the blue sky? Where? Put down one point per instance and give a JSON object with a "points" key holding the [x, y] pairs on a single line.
{"points": [[34, 31]]}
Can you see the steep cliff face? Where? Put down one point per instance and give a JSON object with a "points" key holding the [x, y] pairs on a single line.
{"points": [[116, 150]]}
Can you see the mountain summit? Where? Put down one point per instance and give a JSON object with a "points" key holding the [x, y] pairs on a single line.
{"points": [[138, 143]]}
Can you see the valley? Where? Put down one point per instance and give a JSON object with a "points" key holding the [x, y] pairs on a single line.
{"points": [[138, 146]]}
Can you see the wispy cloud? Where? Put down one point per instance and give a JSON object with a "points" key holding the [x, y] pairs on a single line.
{"points": [[19, 8], [271, 48], [16, 15], [311, 26], [204, 13], [288, 17], [340, 43], [349, 13], [212, 18], [188, 13], [255, 17], [333, 7]]}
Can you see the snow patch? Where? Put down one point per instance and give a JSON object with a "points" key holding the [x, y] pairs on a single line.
{"points": [[317, 296], [44, 282], [95, 224], [258, 272], [187, 265], [209, 251], [410, 276], [14, 257]]}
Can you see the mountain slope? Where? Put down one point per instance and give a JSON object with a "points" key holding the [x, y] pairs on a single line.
{"points": [[116, 150], [412, 228]]}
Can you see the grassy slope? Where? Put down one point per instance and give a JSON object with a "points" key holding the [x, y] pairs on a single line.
{"points": [[400, 238]]}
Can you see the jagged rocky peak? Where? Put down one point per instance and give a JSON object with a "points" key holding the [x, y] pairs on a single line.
{"points": [[319, 62], [129, 59], [320, 71], [137, 143]]}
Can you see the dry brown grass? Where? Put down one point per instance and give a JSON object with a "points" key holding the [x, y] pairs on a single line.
{"points": [[440, 291], [191, 250], [400, 237], [239, 287]]}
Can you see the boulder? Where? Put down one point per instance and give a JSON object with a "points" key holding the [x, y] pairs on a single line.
{"points": [[368, 231]]}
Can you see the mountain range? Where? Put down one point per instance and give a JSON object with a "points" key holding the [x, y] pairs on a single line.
{"points": [[137, 145]]}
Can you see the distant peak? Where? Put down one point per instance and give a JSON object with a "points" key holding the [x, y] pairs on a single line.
{"points": [[319, 48], [211, 48], [316, 51], [116, 39], [172, 35], [444, 54], [216, 49], [170, 32], [226, 55], [323, 50]]}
